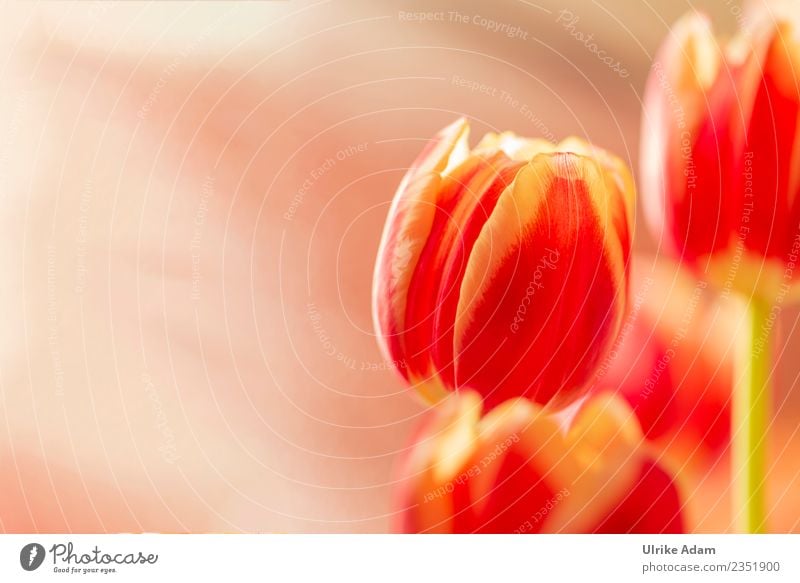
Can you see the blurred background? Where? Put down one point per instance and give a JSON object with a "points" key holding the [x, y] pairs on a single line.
{"points": [[192, 198]]}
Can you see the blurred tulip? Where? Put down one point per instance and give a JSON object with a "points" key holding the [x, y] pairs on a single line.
{"points": [[517, 471], [673, 361], [720, 150], [504, 268]]}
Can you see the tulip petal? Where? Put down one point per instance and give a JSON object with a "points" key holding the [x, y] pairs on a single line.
{"points": [[543, 291], [515, 470], [517, 500], [442, 444], [653, 503], [467, 198], [407, 228], [767, 177], [686, 152], [456, 245]]}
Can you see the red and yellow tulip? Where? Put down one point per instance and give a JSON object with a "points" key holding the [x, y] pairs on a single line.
{"points": [[721, 152], [518, 470], [504, 268], [673, 362]]}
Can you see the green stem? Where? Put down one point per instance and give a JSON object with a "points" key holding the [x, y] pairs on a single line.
{"points": [[751, 403]]}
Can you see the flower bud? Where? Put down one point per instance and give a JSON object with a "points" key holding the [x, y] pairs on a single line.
{"points": [[504, 268]]}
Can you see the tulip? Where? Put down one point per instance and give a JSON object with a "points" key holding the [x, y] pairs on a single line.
{"points": [[720, 153], [504, 268], [517, 470], [673, 362]]}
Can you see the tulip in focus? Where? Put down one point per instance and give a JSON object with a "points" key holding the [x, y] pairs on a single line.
{"points": [[516, 470], [720, 152], [504, 268]]}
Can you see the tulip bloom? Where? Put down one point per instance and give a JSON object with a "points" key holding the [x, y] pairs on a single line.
{"points": [[720, 151], [504, 268], [517, 471], [673, 362]]}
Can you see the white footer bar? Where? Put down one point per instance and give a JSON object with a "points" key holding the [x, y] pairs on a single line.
{"points": [[406, 559]]}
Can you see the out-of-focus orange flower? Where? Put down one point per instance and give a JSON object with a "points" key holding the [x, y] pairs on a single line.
{"points": [[720, 152], [673, 361], [504, 268], [517, 470]]}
